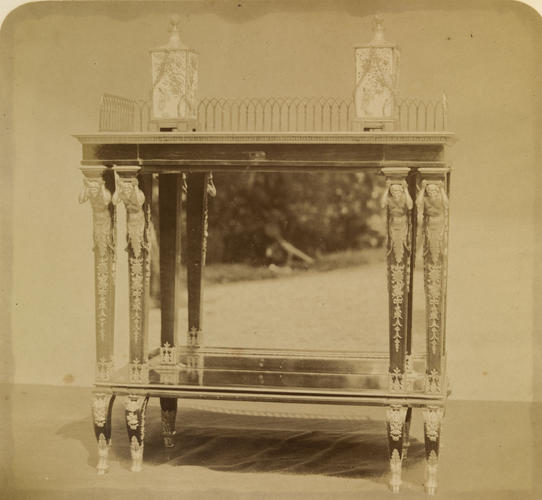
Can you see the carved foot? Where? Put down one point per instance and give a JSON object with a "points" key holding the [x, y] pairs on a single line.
{"points": [[395, 467], [103, 452], [395, 419], [432, 417], [102, 405], [431, 469], [169, 414], [135, 424]]}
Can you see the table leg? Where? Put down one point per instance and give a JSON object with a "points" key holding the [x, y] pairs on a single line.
{"points": [[196, 217], [136, 406], [399, 204], [135, 193], [432, 417], [412, 190], [432, 203], [169, 200], [98, 185], [395, 419], [406, 439], [102, 406], [169, 414]]}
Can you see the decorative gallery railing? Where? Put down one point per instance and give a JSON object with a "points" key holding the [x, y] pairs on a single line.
{"points": [[274, 114]]}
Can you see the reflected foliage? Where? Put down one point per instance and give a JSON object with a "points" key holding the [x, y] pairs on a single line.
{"points": [[318, 213]]}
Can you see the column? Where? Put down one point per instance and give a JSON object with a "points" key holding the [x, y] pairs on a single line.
{"points": [[399, 204], [135, 192], [196, 222], [98, 184], [432, 205]]}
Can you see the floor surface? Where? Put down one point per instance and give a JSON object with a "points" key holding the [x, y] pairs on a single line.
{"points": [[488, 451]]}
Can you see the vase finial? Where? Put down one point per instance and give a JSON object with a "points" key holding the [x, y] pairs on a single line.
{"points": [[378, 28], [174, 38]]}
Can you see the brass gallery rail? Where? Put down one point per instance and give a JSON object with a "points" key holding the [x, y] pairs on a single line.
{"points": [[273, 114]]}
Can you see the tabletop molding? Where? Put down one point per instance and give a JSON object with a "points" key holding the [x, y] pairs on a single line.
{"points": [[265, 137]]}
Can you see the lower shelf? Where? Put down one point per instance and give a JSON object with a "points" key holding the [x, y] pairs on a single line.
{"points": [[275, 375]]}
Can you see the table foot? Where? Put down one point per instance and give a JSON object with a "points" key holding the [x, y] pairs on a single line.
{"points": [[169, 414], [395, 419], [102, 406], [432, 417], [135, 424]]}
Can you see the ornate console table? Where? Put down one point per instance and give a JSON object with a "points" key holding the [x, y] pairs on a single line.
{"points": [[192, 140], [416, 189]]}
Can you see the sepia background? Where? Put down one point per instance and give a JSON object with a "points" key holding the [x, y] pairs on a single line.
{"points": [[58, 58]]}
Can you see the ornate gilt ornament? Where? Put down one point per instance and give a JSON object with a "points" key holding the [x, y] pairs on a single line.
{"points": [[94, 190], [136, 292], [396, 380], [128, 192], [99, 196], [168, 354], [432, 417], [433, 285], [395, 416], [100, 406], [104, 369], [194, 336], [399, 203], [135, 412], [138, 372], [432, 381], [432, 203], [211, 191], [133, 405], [397, 294]]}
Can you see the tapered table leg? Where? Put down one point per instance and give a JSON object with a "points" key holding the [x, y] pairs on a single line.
{"points": [[98, 185], [102, 406], [169, 414], [135, 192], [432, 204], [395, 419], [432, 418], [196, 217], [169, 199], [135, 407], [406, 438], [399, 204]]}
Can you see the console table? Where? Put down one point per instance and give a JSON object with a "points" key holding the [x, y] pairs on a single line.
{"points": [[119, 168]]}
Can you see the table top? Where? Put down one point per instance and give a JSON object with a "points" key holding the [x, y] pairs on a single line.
{"points": [[165, 152]]}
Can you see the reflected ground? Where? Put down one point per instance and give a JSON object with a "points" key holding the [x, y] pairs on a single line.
{"points": [[344, 309]]}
